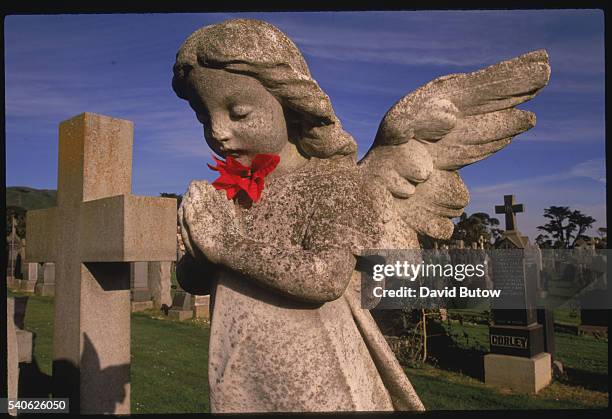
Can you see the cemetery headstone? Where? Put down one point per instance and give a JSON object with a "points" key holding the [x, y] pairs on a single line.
{"points": [[92, 234], [46, 280], [518, 359], [160, 282], [182, 305], [201, 306], [139, 282], [593, 321], [30, 277]]}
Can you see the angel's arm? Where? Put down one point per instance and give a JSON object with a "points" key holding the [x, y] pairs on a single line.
{"points": [[317, 275], [318, 272]]}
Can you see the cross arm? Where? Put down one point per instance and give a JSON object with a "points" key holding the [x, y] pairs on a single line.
{"points": [[127, 228]]}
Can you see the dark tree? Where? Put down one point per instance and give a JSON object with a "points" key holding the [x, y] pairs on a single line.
{"points": [[564, 227], [471, 228], [178, 197], [582, 223]]}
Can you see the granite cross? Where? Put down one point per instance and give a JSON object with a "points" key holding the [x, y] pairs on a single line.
{"points": [[96, 228], [510, 209], [13, 248]]}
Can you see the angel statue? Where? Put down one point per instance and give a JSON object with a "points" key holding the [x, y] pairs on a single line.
{"points": [[275, 239]]}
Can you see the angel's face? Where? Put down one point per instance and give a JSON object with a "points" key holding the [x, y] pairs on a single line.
{"points": [[240, 117]]}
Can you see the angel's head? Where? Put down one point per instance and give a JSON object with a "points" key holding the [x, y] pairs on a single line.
{"points": [[252, 91]]}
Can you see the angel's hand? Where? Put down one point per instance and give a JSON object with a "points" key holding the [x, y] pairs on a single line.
{"points": [[209, 223]]}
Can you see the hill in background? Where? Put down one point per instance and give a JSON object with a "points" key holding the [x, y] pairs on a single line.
{"points": [[30, 198], [20, 199]]}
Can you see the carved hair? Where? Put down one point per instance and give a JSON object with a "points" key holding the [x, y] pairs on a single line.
{"points": [[258, 49]]}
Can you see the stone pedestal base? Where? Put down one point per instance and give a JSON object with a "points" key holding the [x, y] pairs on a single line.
{"points": [[180, 314], [141, 294], [201, 312], [141, 305], [201, 306], [45, 289], [27, 286], [12, 283], [524, 375]]}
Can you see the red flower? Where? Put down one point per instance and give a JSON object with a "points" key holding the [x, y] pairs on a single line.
{"points": [[235, 177]]}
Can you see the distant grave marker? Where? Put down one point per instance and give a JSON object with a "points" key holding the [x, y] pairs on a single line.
{"points": [[518, 342]]}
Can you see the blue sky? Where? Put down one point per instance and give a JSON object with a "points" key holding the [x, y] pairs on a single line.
{"points": [[121, 65]]}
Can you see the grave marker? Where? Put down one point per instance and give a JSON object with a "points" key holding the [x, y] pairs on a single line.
{"points": [[46, 280], [159, 283], [30, 277], [139, 283], [518, 342], [95, 229]]}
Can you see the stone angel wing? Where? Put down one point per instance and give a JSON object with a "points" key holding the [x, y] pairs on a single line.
{"points": [[448, 123]]}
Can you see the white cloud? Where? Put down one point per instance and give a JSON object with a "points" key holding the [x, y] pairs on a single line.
{"points": [[592, 169]]}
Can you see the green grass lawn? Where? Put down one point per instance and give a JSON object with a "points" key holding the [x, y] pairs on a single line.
{"points": [[169, 358], [448, 390], [169, 366], [457, 383]]}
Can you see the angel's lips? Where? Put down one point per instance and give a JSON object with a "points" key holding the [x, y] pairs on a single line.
{"points": [[232, 153], [235, 177]]}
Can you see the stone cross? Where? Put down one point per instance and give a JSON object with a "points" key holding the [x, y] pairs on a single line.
{"points": [[95, 229], [13, 244], [510, 209]]}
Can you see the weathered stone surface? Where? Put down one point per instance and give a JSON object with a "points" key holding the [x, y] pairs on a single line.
{"points": [[96, 228], [137, 306], [139, 282], [182, 306], [201, 306], [24, 345], [281, 269], [46, 282], [12, 243], [160, 282], [526, 375], [27, 286], [30, 277], [12, 353]]}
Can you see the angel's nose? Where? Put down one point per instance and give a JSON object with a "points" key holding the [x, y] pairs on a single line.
{"points": [[220, 132]]}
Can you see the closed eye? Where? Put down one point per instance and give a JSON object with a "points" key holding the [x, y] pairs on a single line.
{"points": [[239, 111]]}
